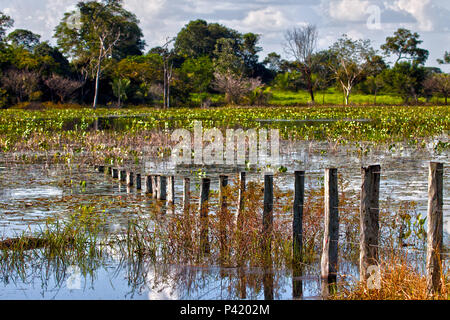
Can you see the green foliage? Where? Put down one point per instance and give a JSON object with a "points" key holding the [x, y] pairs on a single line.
{"points": [[24, 38], [198, 73], [198, 38], [404, 45], [406, 80], [120, 88], [5, 23]]}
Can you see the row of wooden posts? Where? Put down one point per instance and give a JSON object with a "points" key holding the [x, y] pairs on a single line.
{"points": [[162, 188]]}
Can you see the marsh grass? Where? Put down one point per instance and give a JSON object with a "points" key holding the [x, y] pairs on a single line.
{"points": [[400, 280], [166, 235]]}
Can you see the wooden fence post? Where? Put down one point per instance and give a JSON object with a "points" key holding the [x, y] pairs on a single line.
{"points": [[223, 213], [155, 186], [162, 188], [240, 204], [267, 216], [369, 219], [297, 224], [138, 181], [435, 230], [329, 261], [130, 178], [171, 189], [148, 184], [122, 176], [186, 194], [203, 208], [115, 173]]}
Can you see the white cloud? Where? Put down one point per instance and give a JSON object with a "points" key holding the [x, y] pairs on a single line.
{"points": [[348, 10], [265, 19], [146, 8], [419, 9]]}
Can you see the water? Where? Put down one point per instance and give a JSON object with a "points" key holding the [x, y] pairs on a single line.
{"points": [[32, 193]]}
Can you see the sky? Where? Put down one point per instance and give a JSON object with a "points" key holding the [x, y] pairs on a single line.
{"points": [[366, 19]]}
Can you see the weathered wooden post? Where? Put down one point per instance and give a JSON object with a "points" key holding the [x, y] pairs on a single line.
{"points": [[203, 208], [148, 184], [369, 220], [223, 182], [267, 216], [297, 224], [154, 186], [186, 194], [162, 188], [138, 181], [241, 197], [435, 230], [115, 173], [268, 283], [297, 282], [329, 260], [171, 189], [130, 178], [122, 176]]}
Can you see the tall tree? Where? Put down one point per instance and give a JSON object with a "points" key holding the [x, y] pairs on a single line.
{"points": [[404, 45], [350, 62], [300, 45], [24, 38], [5, 23], [103, 30], [198, 38]]}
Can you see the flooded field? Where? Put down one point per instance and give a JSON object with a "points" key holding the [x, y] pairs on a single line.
{"points": [[31, 195]]}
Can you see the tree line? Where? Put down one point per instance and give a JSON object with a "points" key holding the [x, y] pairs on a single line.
{"points": [[99, 58]]}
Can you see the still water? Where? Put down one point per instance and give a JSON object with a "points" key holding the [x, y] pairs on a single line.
{"points": [[31, 193]]}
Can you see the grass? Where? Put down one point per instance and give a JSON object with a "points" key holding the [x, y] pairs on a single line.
{"points": [[334, 97], [399, 280]]}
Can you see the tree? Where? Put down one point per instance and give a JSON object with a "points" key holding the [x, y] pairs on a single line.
{"points": [[350, 61], [249, 49], [21, 82], [229, 76], [104, 31], [62, 87], [198, 38], [120, 87], [405, 79], [404, 45], [439, 83], [234, 86], [199, 73], [446, 59], [23, 38], [5, 23], [300, 45]]}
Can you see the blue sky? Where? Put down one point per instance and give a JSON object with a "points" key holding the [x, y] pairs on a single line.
{"points": [[371, 19]]}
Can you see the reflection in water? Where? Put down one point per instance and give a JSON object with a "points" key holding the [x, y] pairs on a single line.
{"points": [[110, 278], [297, 283]]}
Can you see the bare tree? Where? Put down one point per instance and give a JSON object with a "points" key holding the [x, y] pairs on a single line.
{"points": [[62, 87], [235, 87], [300, 45], [22, 83], [350, 62], [168, 71], [439, 84]]}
